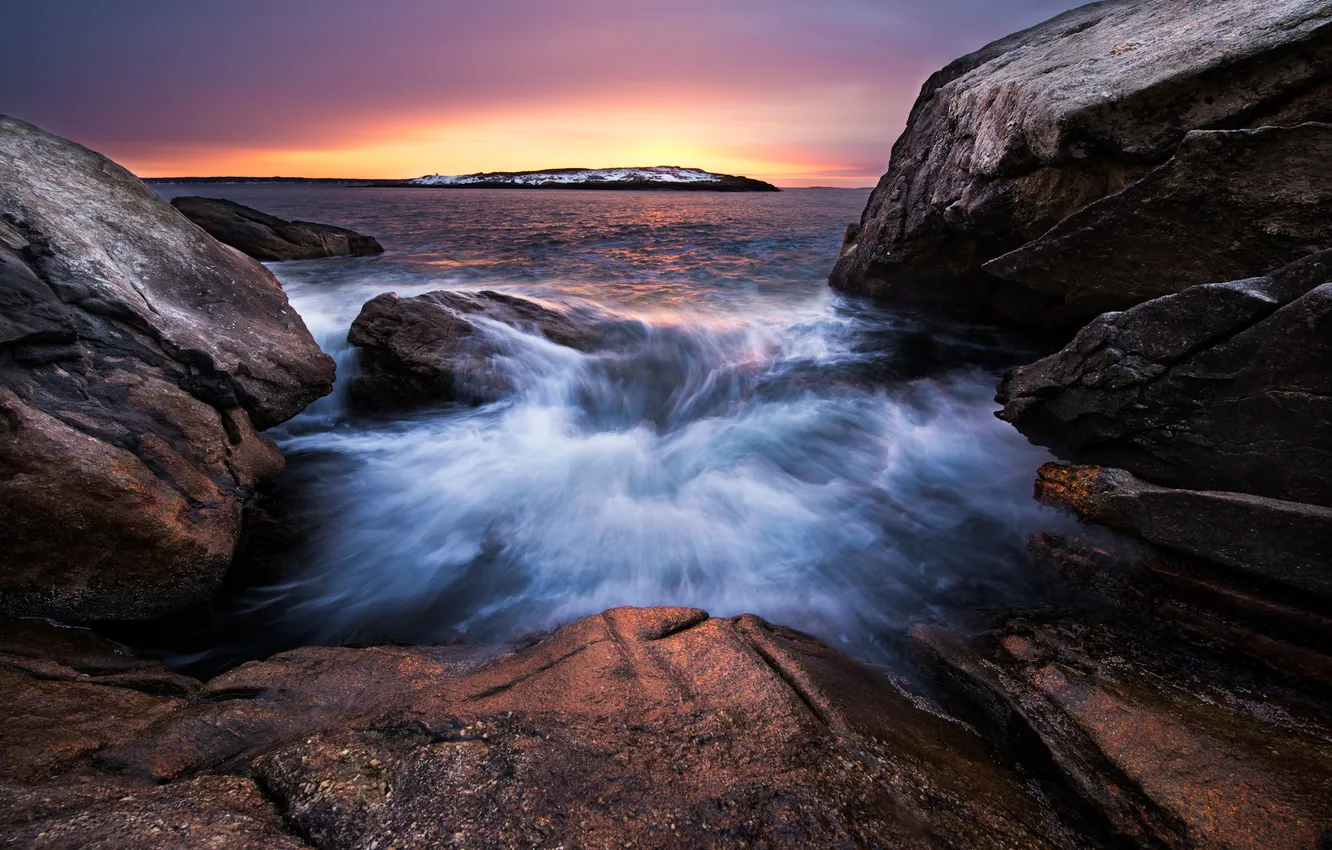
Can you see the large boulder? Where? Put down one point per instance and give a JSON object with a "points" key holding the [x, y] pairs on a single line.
{"points": [[269, 238], [1219, 387], [646, 727], [1005, 143], [139, 359], [440, 346]]}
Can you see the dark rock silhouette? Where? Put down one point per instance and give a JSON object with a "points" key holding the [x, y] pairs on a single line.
{"points": [[267, 237]]}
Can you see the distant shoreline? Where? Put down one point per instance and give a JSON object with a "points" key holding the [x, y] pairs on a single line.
{"points": [[351, 182], [747, 185]]}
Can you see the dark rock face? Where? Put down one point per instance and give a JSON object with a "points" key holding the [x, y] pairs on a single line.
{"points": [[267, 237], [434, 348], [651, 727], [1006, 143], [1288, 543], [1219, 397], [198, 814], [1219, 387], [138, 360], [1230, 203]]}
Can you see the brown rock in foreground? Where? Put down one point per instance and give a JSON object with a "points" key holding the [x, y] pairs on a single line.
{"points": [[269, 238], [664, 728], [651, 727], [139, 358], [436, 347], [1172, 747], [1004, 144]]}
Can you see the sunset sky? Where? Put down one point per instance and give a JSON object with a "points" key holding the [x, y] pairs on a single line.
{"points": [[798, 92]]}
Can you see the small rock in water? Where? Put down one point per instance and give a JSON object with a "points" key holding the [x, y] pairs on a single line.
{"points": [[269, 238]]}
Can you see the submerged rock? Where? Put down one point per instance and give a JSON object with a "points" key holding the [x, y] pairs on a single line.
{"points": [[267, 237], [1219, 387], [139, 358], [1007, 142], [435, 347], [652, 727]]}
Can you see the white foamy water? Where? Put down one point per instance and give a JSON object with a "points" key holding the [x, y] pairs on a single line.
{"points": [[748, 442]]}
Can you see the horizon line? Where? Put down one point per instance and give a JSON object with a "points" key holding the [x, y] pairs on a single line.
{"points": [[195, 178]]}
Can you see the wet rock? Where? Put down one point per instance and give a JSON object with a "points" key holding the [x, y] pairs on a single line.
{"points": [[49, 727], [1004, 144], [656, 727], [1231, 203], [59, 653], [269, 238], [139, 358], [440, 346], [1284, 631], [1171, 748], [1220, 387], [1299, 663], [1285, 543]]}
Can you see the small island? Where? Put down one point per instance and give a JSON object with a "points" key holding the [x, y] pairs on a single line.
{"points": [[658, 177], [652, 177]]}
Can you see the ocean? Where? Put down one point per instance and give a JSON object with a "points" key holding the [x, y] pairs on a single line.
{"points": [[752, 442]]}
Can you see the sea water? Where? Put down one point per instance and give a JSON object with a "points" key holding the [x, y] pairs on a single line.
{"points": [[747, 441]]}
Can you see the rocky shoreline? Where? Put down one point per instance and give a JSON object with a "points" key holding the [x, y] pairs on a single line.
{"points": [[1120, 157]]}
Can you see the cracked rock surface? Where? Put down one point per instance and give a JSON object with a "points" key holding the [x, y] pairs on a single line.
{"points": [[1220, 387], [653, 727]]}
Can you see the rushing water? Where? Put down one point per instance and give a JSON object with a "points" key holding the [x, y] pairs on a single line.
{"points": [[749, 441]]}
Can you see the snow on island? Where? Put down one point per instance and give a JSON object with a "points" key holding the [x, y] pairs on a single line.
{"points": [[651, 177]]}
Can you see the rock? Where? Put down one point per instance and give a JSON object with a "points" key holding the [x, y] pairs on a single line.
{"points": [[206, 813], [139, 358], [1173, 749], [1148, 582], [1220, 387], [269, 238], [64, 654], [1229, 204], [652, 727], [1005, 143], [436, 347], [52, 726], [1285, 543]]}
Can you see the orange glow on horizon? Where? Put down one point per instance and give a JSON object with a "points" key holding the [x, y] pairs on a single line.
{"points": [[717, 136]]}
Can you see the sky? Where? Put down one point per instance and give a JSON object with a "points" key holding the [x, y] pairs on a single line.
{"points": [[798, 92]]}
